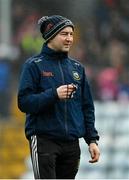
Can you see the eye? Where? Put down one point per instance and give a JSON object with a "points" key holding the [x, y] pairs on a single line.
{"points": [[71, 34], [63, 33]]}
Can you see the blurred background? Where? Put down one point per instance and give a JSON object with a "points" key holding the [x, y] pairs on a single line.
{"points": [[102, 45]]}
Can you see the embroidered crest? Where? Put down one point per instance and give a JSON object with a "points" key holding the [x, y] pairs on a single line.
{"points": [[76, 75]]}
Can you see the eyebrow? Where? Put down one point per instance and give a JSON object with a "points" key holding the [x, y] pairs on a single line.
{"points": [[66, 32]]}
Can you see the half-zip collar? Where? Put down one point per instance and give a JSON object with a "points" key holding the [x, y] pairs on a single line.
{"points": [[52, 53]]}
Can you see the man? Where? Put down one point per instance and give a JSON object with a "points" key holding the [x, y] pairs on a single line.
{"points": [[55, 95]]}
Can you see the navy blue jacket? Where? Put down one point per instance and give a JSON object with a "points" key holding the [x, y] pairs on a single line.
{"points": [[46, 114]]}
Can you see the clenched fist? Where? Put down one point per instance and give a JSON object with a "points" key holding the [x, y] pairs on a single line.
{"points": [[66, 91]]}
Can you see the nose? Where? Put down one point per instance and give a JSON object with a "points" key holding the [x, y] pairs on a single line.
{"points": [[69, 37]]}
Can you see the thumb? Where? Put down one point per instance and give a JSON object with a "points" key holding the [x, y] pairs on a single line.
{"points": [[92, 153]]}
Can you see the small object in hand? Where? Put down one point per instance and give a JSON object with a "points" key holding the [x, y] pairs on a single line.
{"points": [[74, 90], [74, 87]]}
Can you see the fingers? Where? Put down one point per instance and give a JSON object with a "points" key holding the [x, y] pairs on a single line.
{"points": [[65, 91], [70, 90], [94, 152], [95, 158]]}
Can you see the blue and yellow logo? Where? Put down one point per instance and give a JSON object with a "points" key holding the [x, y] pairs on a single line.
{"points": [[76, 75]]}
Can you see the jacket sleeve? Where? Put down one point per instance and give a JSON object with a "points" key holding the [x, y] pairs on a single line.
{"points": [[29, 99], [89, 111]]}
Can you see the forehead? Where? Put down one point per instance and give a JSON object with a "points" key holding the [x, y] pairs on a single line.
{"points": [[67, 29]]}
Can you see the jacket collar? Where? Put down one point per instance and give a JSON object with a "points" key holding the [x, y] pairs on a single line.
{"points": [[52, 53]]}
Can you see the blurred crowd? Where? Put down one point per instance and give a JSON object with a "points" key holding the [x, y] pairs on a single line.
{"points": [[101, 44]]}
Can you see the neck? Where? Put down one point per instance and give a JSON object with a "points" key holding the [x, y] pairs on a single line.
{"points": [[51, 47], [53, 53], [55, 48]]}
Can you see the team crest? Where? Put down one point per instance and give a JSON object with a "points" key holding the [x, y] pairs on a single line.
{"points": [[76, 75]]}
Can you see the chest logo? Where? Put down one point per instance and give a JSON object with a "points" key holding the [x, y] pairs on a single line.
{"points": [[76, 75], [47, 74]]}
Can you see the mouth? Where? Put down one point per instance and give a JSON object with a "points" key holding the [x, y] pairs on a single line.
{"points": [[67, 45]]}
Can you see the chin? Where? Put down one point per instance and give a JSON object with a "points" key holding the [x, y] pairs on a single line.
{"points": [[66, 49]]}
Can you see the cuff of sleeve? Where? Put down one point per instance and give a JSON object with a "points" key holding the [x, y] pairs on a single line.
{"points": [[93, 141], [55, 93]]}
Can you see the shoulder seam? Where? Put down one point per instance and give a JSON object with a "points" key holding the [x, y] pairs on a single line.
{"points": [[76, 62], [34, 59]]}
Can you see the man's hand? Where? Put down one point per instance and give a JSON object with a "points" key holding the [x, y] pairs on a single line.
{"points": [[94, 152], [65, 91]]}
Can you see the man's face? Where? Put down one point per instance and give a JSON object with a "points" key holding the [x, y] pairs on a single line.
{"points": [[63, 40]]}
